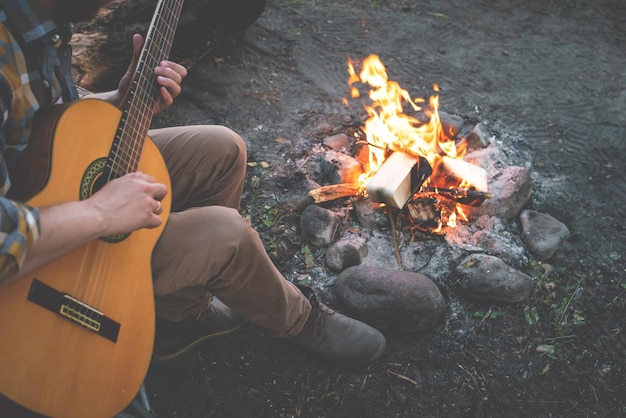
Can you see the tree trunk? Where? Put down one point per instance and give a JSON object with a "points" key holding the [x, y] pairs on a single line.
{"points": [[103, 48]]}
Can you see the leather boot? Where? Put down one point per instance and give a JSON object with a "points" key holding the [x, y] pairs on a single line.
{"points": [[336, 337], [175, 339]]}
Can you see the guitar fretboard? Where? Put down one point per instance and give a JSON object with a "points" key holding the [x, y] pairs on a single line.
{"points": [[139, 109]]}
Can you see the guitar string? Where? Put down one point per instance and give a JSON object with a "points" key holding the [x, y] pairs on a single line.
{"points": [[148, 86], [165, 30], [139, 113], [141, 118], [95, 291], [125, 161]]}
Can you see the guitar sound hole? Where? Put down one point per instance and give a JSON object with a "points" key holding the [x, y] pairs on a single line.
{"points": [[94, 179], [98, 184]]}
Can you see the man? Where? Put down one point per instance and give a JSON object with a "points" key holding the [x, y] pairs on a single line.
{"points": [[210, 269]]}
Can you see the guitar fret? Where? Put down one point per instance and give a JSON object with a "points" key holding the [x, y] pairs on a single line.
{"points": [[137, 114]]}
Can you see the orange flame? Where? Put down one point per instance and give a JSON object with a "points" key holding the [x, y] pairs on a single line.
{"points": [[388, 128]]}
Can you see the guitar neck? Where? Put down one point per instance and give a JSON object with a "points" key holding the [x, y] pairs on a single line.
{"points": [[138, 111]]}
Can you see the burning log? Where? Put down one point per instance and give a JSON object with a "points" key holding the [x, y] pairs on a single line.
{"points": [[468, 197], [452, 172], [425, 212], [334, 191], [397, 179]]}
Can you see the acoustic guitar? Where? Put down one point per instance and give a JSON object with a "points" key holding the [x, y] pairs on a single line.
{"points": [[76, 336]]}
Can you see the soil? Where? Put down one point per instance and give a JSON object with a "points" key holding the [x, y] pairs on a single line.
{"points": [[548, 79]]}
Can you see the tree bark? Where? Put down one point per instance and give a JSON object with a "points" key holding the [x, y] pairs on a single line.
{"points": [[103, 48]]}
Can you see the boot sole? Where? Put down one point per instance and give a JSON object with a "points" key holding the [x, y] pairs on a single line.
{"points": [[171, 357]]}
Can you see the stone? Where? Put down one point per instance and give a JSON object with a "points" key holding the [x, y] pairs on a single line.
{"points": [[371, 214], [337, 142], [478, 138], [318, 225], [491, 159], [451, 124], [391, 300], [502, 245], [511, 188], [487, 278], [542, 234], [346, 252], [338, 167], [491, 235]]}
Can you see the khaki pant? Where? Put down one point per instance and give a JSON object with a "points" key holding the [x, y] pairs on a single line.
{"points": [[207, 248]]}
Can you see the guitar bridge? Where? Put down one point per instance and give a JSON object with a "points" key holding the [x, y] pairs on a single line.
{"points": [[73, 309], [81, 313]]}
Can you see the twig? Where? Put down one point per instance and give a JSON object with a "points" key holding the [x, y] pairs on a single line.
{"points": [[395, 238], [567, 305], [487, 315], [403, 377], [563, 337], [363, 384]]}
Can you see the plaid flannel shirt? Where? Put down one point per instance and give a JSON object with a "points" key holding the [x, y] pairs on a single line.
{"points": [[35, 71]]}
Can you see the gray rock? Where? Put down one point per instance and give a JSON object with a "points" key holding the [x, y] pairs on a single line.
{"points": [[496, 237], [502, 245], [371, 214], [318, 225], [487, 278], [393, 300], [451, 124], [337, 142], [491, 159], [339, 168], [542, 234], [511, 189], [479, 137], [347, 252]]}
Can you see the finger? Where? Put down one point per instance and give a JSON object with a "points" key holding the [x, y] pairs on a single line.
{"points": [[137, 45], [143, 176], [179, 69], [160, 191], [159, 208], [155, 221], [166, 99], [170, 84], [166, 76]]}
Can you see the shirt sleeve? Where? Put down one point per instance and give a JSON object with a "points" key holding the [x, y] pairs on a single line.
{"points": [[19, 230], [19, 223]]}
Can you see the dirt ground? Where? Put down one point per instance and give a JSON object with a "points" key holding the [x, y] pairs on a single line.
{"points": [[552, 75], [548, 77]]}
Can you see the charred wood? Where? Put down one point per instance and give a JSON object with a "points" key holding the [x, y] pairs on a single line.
{"points": [[334, 191], [468, 197]]}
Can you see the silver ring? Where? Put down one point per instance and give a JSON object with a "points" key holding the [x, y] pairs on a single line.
{"points": [[158, 209]]}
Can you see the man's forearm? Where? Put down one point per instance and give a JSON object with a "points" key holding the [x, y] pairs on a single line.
{"points": [[114, 97], [123, 205], [64, 227]]}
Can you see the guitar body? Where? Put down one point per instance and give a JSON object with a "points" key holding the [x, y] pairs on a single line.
{"points": [[76, 336]]}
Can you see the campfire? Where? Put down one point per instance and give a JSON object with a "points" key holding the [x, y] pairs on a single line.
{"points": [[407, 158]]}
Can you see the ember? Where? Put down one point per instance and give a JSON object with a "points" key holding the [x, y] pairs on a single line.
{"points": [[411, 160]]}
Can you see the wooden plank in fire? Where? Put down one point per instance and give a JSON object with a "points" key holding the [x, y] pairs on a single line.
{"points": [[452, 171], [397, 179]]}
